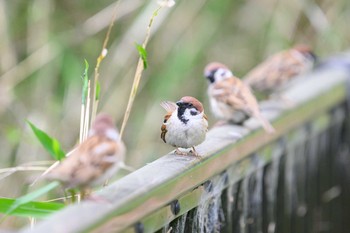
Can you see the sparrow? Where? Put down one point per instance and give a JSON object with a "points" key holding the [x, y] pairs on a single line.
{"points": [[231, 99], [93, 161], [185, 125], [279, 69]]}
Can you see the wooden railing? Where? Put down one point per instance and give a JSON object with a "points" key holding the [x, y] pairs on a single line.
{"points": [[289, 181]]}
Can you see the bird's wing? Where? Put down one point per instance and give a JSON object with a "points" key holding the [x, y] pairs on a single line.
{"points": [[266, 73], [205, 121], [163, 128], [89, 161], [232, 92], [275, 71], [170, 107], [241, 98]]}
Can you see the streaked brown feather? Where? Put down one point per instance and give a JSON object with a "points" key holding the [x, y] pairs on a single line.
{"points": [[277, 70], [163, 128], [170, 107], [235, 93], [205, 117], [238, 95], [86, 164]]}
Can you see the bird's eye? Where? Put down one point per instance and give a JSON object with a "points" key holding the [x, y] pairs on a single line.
{"points": [[223, 73], [220, 73]]}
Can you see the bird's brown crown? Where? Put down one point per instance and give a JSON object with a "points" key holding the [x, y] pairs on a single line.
{"points": [[189, 99], [102, 123], [214, 66], [303, 48]]}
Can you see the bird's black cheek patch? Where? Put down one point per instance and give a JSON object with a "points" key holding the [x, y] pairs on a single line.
{"points": [[193, 113], [180, 112], [211, 79], [211, 76]]}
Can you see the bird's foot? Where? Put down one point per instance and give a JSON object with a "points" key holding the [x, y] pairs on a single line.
{"points": [[194, 152], [178, 152]]}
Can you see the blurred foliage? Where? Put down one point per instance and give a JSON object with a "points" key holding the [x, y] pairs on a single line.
{"points": [[32, 209], [24, 205], [43, 44]]}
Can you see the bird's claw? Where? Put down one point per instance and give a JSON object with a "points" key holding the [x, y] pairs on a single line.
{"points": [[194, 153], [178, 152]]}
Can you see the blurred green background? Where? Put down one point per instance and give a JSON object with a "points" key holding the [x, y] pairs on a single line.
{"points": [[43, 44]]}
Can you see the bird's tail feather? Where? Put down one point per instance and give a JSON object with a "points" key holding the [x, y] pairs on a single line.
{"points": [[168, 106], [265, 123]]}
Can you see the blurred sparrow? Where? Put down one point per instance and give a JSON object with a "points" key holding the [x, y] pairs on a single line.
{"points": [[274, 73], [185, 124], [230, 98], [95, 160]]}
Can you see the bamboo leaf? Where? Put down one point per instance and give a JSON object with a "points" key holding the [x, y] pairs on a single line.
{"points": [[143, 54], [20, 202], [50, 144], [30, 209]]}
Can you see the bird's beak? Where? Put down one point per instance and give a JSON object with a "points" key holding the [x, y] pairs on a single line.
{"points": [[207, 73], [179, 103], [210, 75], [314, 57]]}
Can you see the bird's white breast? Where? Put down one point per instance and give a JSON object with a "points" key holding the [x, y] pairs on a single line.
{"points": [[186, 135]]}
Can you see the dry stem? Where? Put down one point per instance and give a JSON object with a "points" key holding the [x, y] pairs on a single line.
{"points": [[138, 74]]}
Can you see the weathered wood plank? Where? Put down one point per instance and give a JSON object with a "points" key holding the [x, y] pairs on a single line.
{"points": [[157, 184]]}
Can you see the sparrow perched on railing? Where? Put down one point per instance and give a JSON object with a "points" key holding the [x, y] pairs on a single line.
{"points": [[95, 160], [274, 73], [185, 124], [230, 99]]}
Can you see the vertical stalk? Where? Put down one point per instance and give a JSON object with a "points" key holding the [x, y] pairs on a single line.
{"points": [[138, 74]]}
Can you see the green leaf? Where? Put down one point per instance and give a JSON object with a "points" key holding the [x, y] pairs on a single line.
{"points": [[98, 90], [49, 143], [143, 54], [85, 83], [24, 200], [30, 209]]}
